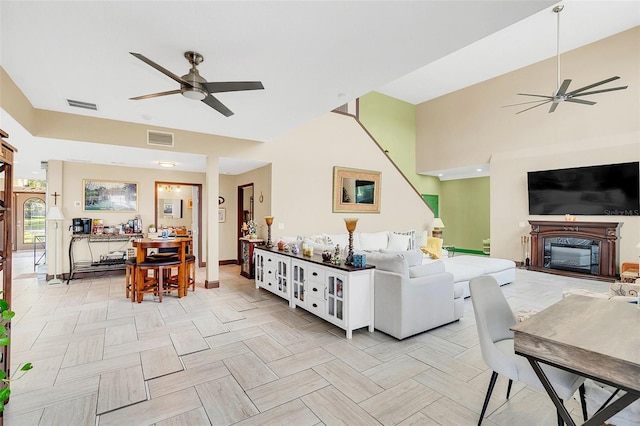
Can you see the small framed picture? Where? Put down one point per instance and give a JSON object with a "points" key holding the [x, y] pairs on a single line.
{"points": [[222, 214]]}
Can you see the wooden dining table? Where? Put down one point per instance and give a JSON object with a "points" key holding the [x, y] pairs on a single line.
{"points": [[592, 337], [142, 245]]}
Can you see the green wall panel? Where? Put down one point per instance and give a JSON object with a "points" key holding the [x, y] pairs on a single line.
{"points": [[464, 209]]}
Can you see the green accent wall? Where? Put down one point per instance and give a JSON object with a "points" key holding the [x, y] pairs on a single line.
{"points": [[392, 123], [433, 202], [465, 211]]}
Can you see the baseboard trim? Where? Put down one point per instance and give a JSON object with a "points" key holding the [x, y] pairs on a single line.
{"points": [[228, 262], [469, 251], [211, 284]]}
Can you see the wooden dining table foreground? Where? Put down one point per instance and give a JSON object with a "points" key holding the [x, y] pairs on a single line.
{"points": [[142, 245], [592, 337]]}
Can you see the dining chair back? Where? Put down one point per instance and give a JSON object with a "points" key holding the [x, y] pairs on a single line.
{"points": [[494, 319]]}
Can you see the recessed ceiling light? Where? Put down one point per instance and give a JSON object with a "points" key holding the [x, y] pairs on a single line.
{"points": [[440, 174], [478, 170], [166, 164]]}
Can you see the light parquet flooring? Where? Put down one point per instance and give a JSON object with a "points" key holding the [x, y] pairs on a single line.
{"points": [[238, 355]]}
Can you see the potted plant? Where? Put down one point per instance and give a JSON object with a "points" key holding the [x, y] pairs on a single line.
{"points": [[152, 228], [5, 382]]}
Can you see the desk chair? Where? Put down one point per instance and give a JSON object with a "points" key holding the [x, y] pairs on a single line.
{"points": [[494, 320]]}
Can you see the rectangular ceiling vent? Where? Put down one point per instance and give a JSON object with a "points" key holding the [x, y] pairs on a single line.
{"points": [[159, 138], [80, 104], [44, 165]]}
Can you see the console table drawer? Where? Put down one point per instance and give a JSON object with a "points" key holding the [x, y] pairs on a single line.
{"points": [[316, 306], [316, 290]]}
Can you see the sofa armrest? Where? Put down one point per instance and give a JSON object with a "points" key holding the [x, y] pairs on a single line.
{"points": [[404, 307]]}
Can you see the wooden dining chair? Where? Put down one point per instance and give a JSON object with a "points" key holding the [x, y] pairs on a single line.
{"points": [[155, 282]]}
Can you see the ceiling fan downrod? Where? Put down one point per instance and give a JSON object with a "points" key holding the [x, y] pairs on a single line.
{"points": [[557, 10]]}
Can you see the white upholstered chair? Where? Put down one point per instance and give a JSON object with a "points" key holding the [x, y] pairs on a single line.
{"points": [[494, 320]]}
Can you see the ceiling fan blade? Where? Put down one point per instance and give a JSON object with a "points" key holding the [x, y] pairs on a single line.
{"points": [[580, 101], [563, 87], [155, 95], [593, 92], [574, 92], [535, 106], [523, 103], [554, 105], [160, 68], [217, 105], [537, 96], [232, 86]]}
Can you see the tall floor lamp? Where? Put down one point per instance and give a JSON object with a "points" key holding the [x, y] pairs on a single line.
{"points": [[54, 215]]}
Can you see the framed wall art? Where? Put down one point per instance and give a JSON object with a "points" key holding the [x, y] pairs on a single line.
{"points": [[109, 195]]}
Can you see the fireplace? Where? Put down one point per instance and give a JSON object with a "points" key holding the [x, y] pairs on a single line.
{"points": [[581, 249]]}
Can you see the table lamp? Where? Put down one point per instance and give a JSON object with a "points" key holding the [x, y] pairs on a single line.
{"points": [[351, 226], [269, 220], [437, 228], [54, 215]]}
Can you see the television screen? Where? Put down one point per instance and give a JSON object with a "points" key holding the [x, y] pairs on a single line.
{"points": [[604, 190]]}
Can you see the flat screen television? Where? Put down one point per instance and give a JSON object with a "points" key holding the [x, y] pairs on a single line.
{"points": [[603, 190]]}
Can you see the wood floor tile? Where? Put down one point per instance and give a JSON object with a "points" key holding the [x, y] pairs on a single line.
{"points": [[97, 368], [210, 326], [120, 334], [387, 351], [84, 351], [154, 410], [46, 370], [79, 411], [234, 336], [249, 370], [332, 407], [446, 412], [351, 355], [400, 402], [267, 348], [189, 341], [121, 388], [159, 362], [445, 363], [218, 353], [290, 413], [300, 361], [93, 315], [225, 401], [420, 419], [278, 392], [137, 346], [396, 371], [59, 393], [226, 313], [190, 418], [347, 380], [188, 378]]}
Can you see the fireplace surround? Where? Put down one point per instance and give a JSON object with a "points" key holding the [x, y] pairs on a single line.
{"points": [[579, 249]]}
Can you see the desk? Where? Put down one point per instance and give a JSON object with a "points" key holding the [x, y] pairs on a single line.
{"points": [[595, 338], [142, 244]]}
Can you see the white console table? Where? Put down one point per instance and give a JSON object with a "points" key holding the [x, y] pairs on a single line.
{"points": [[339, 294]]}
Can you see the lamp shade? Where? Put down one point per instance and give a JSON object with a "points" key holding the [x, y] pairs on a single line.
{"points": [[55, 213], [437, 223]]}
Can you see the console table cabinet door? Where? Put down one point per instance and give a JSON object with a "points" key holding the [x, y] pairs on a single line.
{"points": [[334, 297], [272, 273]]}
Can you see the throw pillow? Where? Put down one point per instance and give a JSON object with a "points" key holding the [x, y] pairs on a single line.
{"points": [[398, 242], [624, 289], [412, 238], [337, 239], [433, 248], [374, 240], [414, 257]]}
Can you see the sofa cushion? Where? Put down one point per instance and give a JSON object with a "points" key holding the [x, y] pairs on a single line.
{"points": [[414, 257], [412, 238], [388, 262], [488, 265], [398, 241], [426, 269], [374, 240]]}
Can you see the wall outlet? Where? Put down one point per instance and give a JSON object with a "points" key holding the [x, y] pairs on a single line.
{"points": [[280, 225], [522, 224]]}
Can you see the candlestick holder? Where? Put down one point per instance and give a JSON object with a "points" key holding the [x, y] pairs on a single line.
{"points": [[269, 221], [351, 226]]}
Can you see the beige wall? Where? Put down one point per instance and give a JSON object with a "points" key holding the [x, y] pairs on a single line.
{"points": [[470, 127], [71, 176]]}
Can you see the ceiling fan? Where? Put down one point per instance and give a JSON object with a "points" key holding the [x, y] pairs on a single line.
{"points": [[193, 86], [560, 94]]}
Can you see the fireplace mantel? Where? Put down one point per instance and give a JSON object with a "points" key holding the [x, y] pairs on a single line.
{"points": [[604, 234]]}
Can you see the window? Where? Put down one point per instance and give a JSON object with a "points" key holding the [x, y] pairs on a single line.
{"points": [[34, 219]]}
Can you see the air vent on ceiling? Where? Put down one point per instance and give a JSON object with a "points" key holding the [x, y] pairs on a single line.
{"points": [[80, 104], [44, 165], [159, 138]]}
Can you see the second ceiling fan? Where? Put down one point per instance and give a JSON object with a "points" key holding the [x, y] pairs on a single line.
{"points": [[560, 94], [193, 86]]}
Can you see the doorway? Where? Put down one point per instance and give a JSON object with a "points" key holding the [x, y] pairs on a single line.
{"points": [[177, 205], [30, 223], [245, 212]]}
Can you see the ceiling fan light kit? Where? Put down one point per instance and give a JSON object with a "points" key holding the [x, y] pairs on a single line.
{"points": [[560, 94], [193, 86]]}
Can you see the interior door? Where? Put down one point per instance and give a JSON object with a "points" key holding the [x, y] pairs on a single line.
{"points": [[29, 223]]}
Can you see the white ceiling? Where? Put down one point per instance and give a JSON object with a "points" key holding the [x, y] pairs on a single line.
{"points": [[310, 56]]}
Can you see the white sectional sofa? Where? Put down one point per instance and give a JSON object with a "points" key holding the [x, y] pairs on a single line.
{"points": [[414, 293]]}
